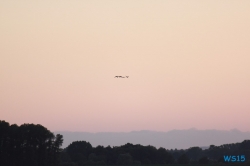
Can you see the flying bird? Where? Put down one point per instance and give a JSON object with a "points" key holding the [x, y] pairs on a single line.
{"points": [[121, 77]]}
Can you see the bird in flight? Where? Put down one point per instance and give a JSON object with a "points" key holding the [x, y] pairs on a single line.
{"points": [[121, 76]]}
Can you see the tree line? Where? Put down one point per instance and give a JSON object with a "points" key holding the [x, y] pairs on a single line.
{"points": [[81, 153], [28, 145], [34, 145]]}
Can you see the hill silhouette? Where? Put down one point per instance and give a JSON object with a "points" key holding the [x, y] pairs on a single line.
{"points": [[180, 139]]}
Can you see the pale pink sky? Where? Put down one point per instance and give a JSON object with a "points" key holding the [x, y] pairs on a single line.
{"points": [[188, 64]]}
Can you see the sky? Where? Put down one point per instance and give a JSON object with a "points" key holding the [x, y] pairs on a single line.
{"points": [[187, 62]]}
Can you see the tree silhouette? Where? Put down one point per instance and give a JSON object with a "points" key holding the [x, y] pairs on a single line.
{"points": [[194, 153], [28, 145], [183, 159], [125, 159], [79, 151], [204, 160]]}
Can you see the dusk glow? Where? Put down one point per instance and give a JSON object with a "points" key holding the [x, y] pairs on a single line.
{"points": [[188, 64]]}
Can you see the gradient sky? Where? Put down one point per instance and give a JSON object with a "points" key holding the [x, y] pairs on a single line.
{"points": [[188, 64]]}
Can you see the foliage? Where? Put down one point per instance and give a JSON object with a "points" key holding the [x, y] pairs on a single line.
{"points": [[183, 159], [83, 153], [34, 145], [28, 145]]}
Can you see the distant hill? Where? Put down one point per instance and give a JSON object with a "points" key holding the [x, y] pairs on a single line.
{"points": [[180, 139], [204, 147]]}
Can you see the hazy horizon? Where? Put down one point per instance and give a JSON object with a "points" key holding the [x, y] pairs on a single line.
{"points": [[187, 62], [180, 139], [146, 131]]}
